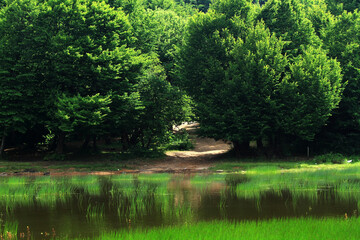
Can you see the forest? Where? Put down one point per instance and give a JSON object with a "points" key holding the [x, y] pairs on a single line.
{"points": [[179, 119], [282, 73]]}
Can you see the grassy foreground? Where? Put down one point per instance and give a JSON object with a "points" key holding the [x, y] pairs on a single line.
{"points": [[276, 229]]}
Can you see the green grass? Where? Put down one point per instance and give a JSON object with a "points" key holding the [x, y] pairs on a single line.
{"points": [[236, 165], [63, 166], [49, 192], [251, 180], [6, 166], [180, 141], [275, 229]]}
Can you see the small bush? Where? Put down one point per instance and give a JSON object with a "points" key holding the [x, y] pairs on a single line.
{"points": [[55, 157], [179, 141], [330, 158]]}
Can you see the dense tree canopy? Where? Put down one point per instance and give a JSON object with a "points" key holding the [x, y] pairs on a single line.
{"points": [[274, 81], [264, 71], [70, 64], [342, 38]]}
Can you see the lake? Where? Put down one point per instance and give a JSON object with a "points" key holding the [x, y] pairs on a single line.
{"points": [[86, 206]]}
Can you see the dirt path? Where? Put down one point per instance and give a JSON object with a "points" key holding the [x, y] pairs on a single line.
{"points": [[196, 160], [199, 159]]}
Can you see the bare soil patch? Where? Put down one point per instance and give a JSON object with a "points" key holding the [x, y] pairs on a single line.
{"points": [[197, 160]]}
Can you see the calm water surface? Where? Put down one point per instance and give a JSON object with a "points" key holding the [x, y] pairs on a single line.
{"points": [[87, 206]]}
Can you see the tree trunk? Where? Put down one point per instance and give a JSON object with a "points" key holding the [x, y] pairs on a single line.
{"points": [[260, 146], [148, 143], [86, 142], [125, 141], [2, 147], [94, 142], [136, 137], [107, 140], [276, 146], [60, 144], [241, 148]]}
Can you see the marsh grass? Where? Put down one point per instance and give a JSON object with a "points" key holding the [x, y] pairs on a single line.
{"points": [[8, 229], [342, 178], [234, 165], [300, 179], [310, 181], [275, 229], [175, 200]]}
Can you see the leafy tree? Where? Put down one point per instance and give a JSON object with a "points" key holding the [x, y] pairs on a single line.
{"points": [[20, 51], [309, 94], [72, 47], [230, 8], [213, 74], [170, 33], [337, 7], [98, 57], [147, 116], [149, 112], [202, 5], [247, 88], [204, 55], [81, 114], [319, 15], [254, 73], [164, 106], [342, 40], [288, 20], [92, 49], [159, 29]]}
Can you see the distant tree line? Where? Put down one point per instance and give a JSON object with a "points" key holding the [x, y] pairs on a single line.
{"points": [[283, 73]]}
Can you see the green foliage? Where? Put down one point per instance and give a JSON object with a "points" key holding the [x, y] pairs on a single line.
{"points": [[201, 5], [254, 74], [337, 7], [92, 56], [319, 15], [330, 158], [78, 71], [342, 39], [310, 94], [19, 79], [55, 157], [203, 68], [255, 70], [274, 229], [158, 25], [48, 140], [231, 8], [259, 83], [164, 106], [287, 19], [85, 113], [179, 141], [158, 32]]}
